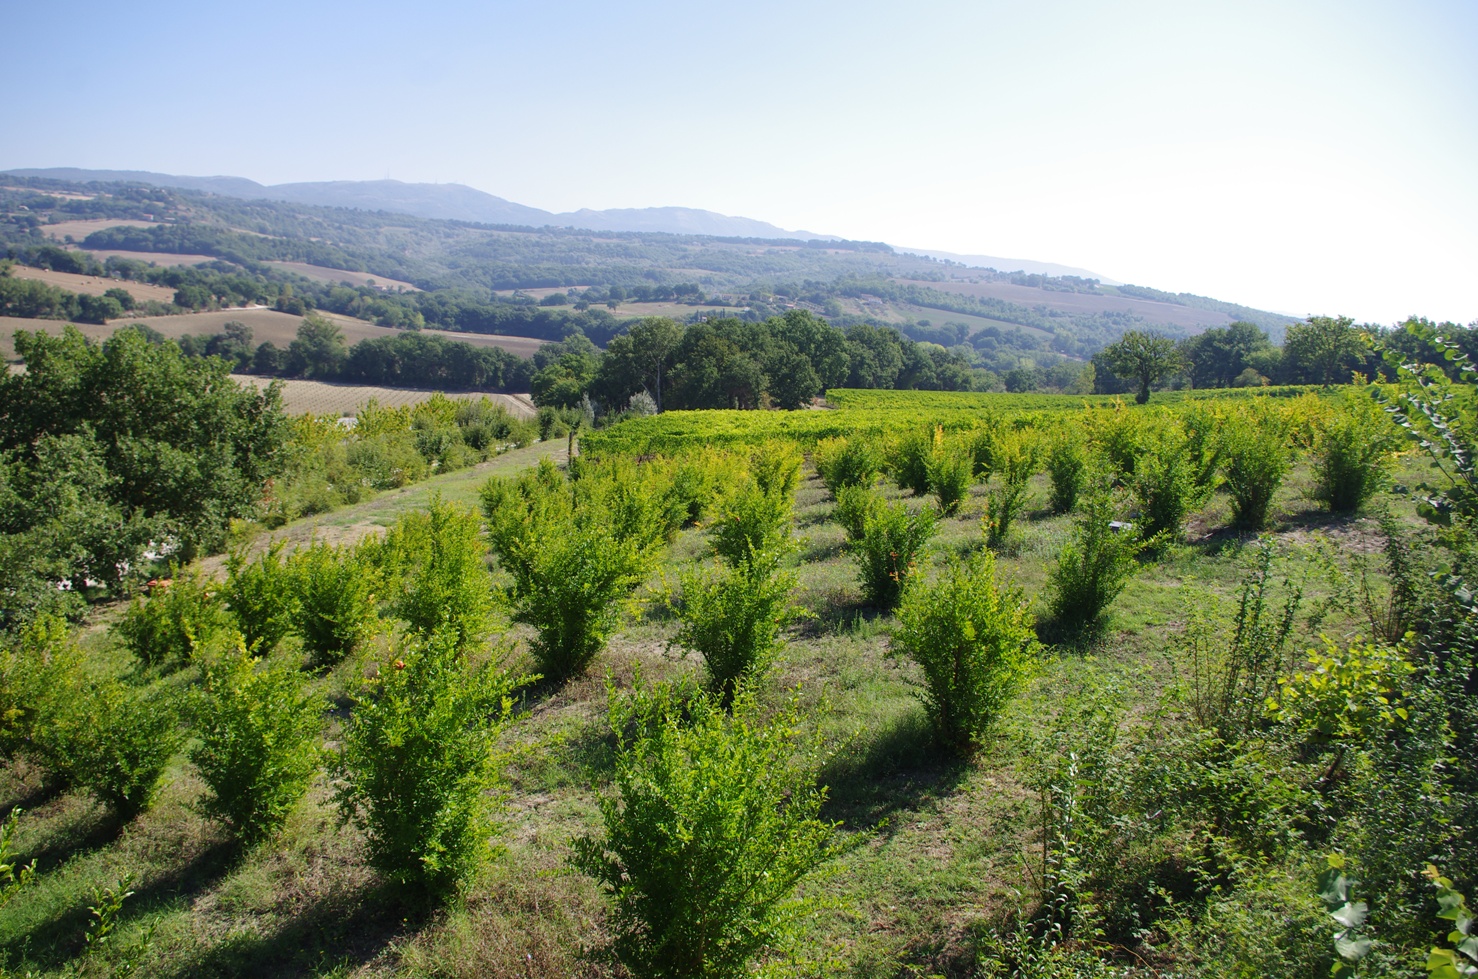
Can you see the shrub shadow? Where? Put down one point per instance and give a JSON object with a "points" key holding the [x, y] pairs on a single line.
{"points": [[343, 932], [895, 768], [55, 942], [838, 618]]}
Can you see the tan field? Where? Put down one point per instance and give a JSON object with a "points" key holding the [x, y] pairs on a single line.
{"points": [[335, 276], [154, 258], [81, 229], [322, 398], [93, 285], [266, 325]]}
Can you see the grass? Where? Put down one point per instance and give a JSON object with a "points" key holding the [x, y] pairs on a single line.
{"points": [[944, 848]]}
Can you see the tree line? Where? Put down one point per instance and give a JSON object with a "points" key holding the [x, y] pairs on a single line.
{"points": [[782, 362], [1322, 350]]}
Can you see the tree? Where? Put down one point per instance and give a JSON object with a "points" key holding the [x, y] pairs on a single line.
{"points": [[1219, 355], [1323, 350], [1145, 357], [653, 342], [319, 350]]}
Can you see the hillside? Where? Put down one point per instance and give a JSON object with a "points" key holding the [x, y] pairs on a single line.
{"points": [[544, 282]]}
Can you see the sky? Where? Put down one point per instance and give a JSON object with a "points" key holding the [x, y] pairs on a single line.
{"points": [[1300, 156]]}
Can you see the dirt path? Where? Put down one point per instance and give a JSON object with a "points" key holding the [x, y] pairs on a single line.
{"points": [[352, 523]]}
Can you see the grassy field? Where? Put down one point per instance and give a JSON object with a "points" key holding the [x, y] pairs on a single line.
{"points": [[324, 398], [94, 286], [266, 325], [942, 850]]}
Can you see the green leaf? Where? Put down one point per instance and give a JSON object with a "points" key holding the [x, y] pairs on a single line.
{"points": [[1351, 915], [1352, 949]]}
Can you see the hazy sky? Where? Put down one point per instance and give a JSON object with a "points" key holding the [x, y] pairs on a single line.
{"points": [[1298, 156]]}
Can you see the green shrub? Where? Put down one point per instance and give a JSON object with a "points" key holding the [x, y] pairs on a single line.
{"points": [[1352, 454], [1094, 566], [1165, 485], [571, 570], [908, 462], [891, 549], [1255, 458], [258, 742], [165, 628], [418, 764], [1117, 433], [733, 617], [334, 592], [261, 597], [776, 467], [847, 462], [112, 739], [854, 505], [711, 826], [1067, 470], [1015, 456], [38, 664], [950, 469], [749, 521], [434, 563], [972, 641]]}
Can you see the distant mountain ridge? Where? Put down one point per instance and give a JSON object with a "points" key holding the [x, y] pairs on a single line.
{"points": [[449, 202], [458, 202]]}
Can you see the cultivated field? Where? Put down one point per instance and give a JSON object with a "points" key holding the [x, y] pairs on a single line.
{"points": [[942, 851], [335, 276], [266, 325], [323, 398], [77, 230], [93, 285], [166, 259]]}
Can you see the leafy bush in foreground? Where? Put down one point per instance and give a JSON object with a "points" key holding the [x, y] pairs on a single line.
{"points": [[165, 628], [733, 617], [711, 826], [418, 764], [972, 640], [334, 592], [112, 739], [891, 549], [261, 597], [1352, 455], [258, 748], [1094, 566]]}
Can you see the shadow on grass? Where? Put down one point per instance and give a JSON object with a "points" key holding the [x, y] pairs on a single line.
{"points": [[1072, 637], [55, 942], [895, 768], [842, 618], [91, 828], [339, 932]]}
